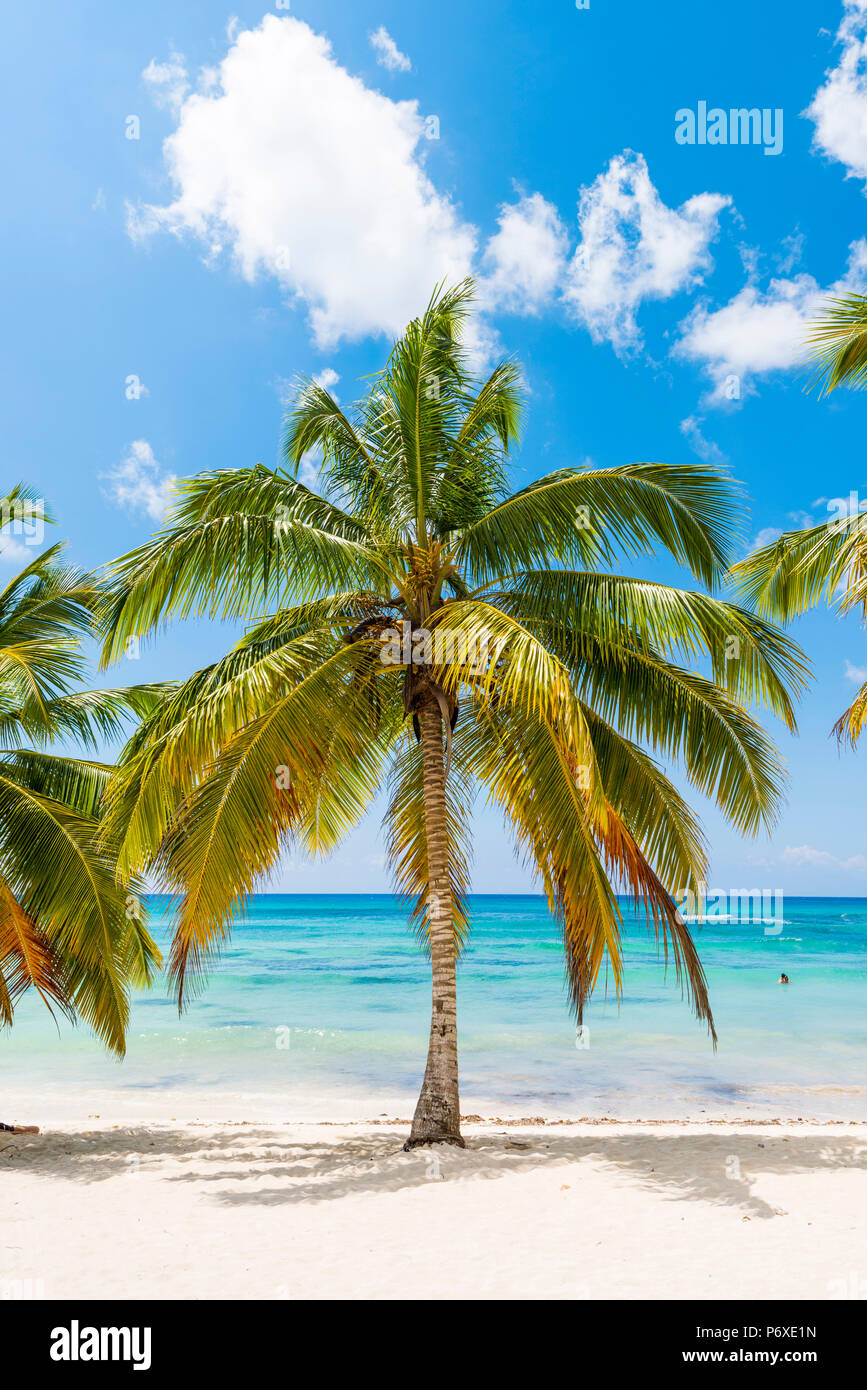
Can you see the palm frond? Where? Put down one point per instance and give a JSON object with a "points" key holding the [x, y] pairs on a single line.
{"points": [[802, 568], [64, 928], [850, 726], [286, 775], [28, 961], [581, 615], [237, 545], [839, 344], [593, 514], [53, 868]]}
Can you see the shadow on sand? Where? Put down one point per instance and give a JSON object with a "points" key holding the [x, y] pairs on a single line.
{"points": [[263, 1166]]}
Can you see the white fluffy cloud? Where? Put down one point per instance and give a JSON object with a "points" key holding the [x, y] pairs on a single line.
{"points": [[328, 379], [138, 482], [839, 108], [299, 170], [856, 674], [761, 331], [284, 162], [526, 258], [633, 247], [388, 55]]}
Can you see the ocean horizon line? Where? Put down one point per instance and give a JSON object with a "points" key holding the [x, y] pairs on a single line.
{"points": [[397, 897]]}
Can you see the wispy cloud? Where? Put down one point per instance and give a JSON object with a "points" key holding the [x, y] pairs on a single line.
{"points": [[856, 674], [388, 55], [804, 855], [169, 82], [287, 387], [13, 552], [690, 428], [790, 253], [766, 536], [138, 483], [310, 470]]}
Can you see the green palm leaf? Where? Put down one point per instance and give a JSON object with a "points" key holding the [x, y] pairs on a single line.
{"points": [[66, 928], [839, 344]]}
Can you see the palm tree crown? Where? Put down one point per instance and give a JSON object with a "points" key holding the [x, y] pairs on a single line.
{"points": [[824, 563], [368, 597], [67, 929]]}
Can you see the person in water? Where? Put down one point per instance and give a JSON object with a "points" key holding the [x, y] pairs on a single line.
{"points": [[783, 980], [20, 1129]]}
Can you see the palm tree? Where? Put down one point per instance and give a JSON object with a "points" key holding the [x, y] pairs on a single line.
{"points": [[804, 568], [420, 624], [839, 343], [67, 929], [828, 562]]}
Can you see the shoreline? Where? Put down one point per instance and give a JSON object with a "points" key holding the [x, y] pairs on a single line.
{"points": [[541, 1121], [532, 1121], [33, 1108]]}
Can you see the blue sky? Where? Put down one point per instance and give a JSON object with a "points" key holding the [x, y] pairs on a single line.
{"points": [[300, 180]]}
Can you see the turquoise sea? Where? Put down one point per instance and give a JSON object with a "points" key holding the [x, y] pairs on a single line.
{"points": [[320, 1009]]}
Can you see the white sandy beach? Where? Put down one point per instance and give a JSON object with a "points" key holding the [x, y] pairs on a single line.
{"points": [[281, 1211]]}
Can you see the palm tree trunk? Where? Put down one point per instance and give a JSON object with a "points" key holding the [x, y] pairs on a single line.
{"points": [[437, 1118]]}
